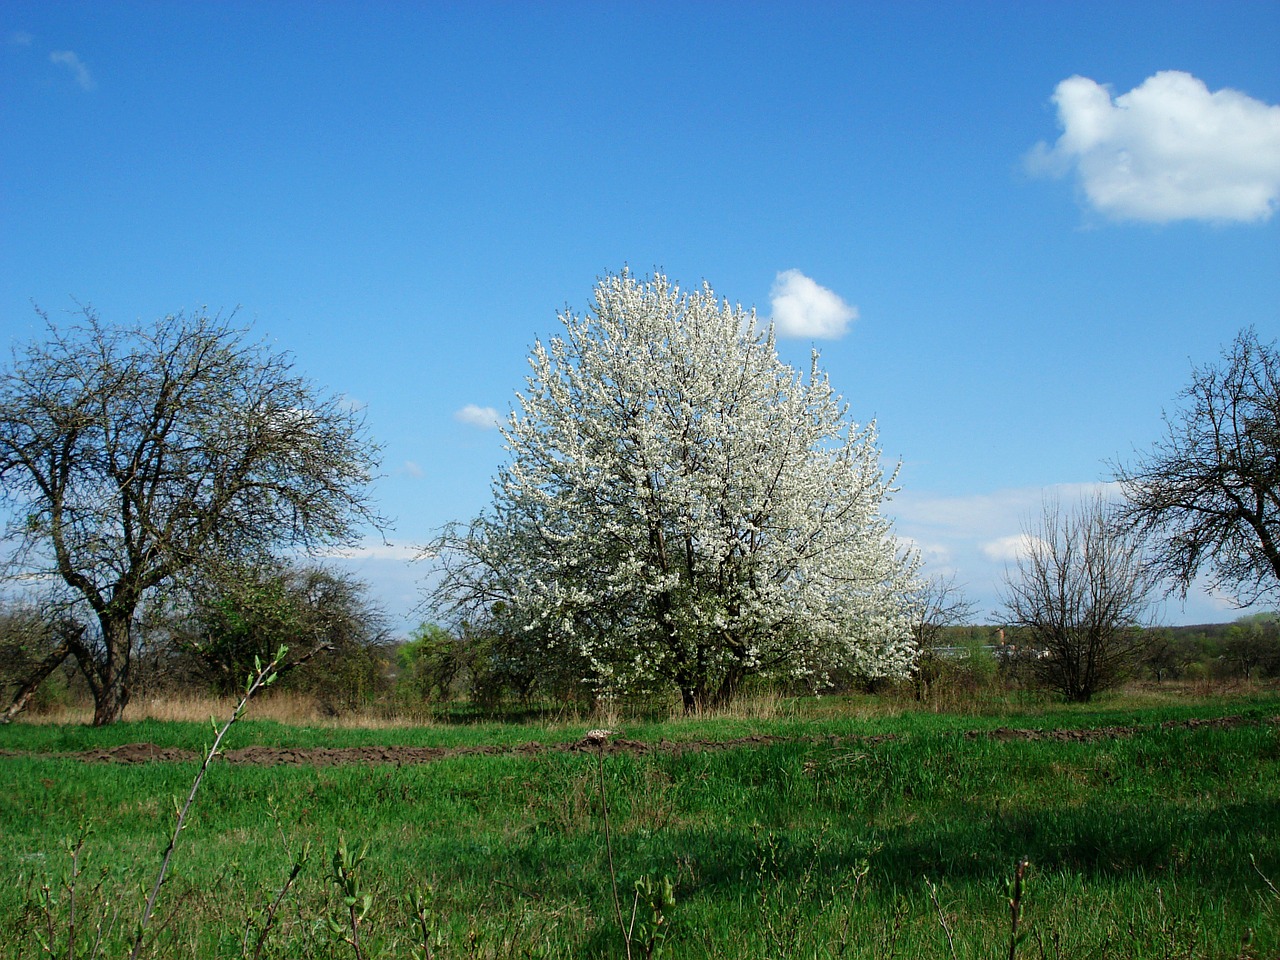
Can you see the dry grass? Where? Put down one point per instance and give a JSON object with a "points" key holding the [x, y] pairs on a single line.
{"points": [[282, 706], [757, 704]]}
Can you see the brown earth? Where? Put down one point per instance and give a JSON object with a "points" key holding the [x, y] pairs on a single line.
{"points": [[595, 740]]}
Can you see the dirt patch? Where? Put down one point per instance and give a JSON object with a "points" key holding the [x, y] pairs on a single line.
{"points": [[608, 743], [1112, 733], [132, 753]]}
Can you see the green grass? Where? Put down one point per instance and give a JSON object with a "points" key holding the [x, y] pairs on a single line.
{"points": [[1156, 845], [828, 716]]}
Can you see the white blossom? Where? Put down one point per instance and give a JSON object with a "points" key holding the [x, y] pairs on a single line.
{"points": [[682, 507]]}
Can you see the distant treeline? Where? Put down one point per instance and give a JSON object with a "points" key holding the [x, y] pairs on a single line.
{"points": [[363, 668], [1247, 648]]}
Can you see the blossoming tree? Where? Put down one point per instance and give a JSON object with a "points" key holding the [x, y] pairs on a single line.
{"points": [[681, 507]]}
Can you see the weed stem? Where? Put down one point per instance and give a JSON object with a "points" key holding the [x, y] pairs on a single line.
{"points": [[265, 675]]}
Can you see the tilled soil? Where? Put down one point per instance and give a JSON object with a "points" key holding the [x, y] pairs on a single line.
{"points": [[596, 740]]}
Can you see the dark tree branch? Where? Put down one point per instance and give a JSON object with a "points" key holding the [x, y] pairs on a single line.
{"points": [[1208, 493], [130, 455]]}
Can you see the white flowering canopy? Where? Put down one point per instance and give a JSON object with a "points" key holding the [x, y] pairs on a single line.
{"points": [[682, 507]]}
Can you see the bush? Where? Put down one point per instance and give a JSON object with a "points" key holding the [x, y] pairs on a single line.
{"points": [[433, 665]]}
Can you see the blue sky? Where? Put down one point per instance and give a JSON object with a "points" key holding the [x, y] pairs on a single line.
{"points": [[1010, 269]]}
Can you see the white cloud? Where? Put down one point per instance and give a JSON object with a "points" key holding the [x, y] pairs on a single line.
{"points": [[981, 516], [977, 537], [936, 556], [68, 59], [378, 550], [486, 418], [1008, 549], [21, 38], [1167, 150], [351, 403], [802, 308]]}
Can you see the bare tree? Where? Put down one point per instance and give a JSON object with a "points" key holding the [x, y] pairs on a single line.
{"points": [[1165, 655], [1078, 598], [939, 603], [1208, 494], [131, 455], [32, 645]]}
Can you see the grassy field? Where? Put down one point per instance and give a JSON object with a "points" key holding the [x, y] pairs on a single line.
{"points": [[855, 832]]}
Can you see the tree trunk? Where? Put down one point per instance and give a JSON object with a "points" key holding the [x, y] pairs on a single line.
{"points": [[689, 699], [695, 694], [112, 697], [111, 691], [33, 681], [729, 686]]}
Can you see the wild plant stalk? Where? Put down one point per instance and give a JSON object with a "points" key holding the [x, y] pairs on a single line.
{"points": [[942, 917], [421, 912], [900, 911], [658, 896], [790, 910], [860, 871], [270, 918], [1015, 906], [630, 929], [71, 893], [48, 939], [599, 740], [1265, 879], [345, 875], [264, 676]]}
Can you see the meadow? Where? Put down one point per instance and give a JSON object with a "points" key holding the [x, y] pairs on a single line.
{"points": [[1148, 828]]}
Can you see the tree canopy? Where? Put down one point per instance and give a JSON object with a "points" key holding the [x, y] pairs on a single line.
{"points": [[131, 455], [227, 625], [682, 507], [1207, 495]]}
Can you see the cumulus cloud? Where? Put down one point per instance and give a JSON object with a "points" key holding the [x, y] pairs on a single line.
{"points": [[937, 557], [1009, 549], [486, 418], [1166, 150], [978, 537], [803, 308], [68, 59]]}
